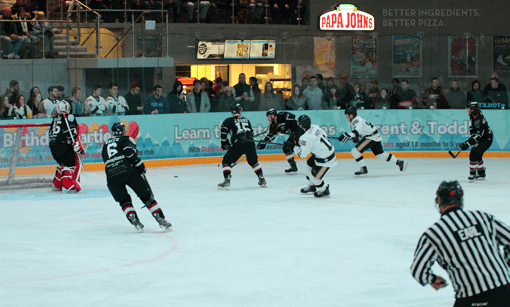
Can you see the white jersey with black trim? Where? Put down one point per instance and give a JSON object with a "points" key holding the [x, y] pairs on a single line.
{"points": [[361, 128], [49, 106], [117, 105], [315, 141], [96, 106]]}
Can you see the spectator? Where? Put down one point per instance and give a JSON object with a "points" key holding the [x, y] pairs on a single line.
{"points": [[25, 30], [488, 87], [206, 86], [133, 99], [434, 96], [218, 84], [270, 100], [176, 98], [197, 100], [117, 105], [345, 87], [395, 87], [242, 91], [226, 100], [43, 28], [256, 7], [313, 95], [334, 101], [330, 82], [304, 84], [156, 103], [382, 101], [487, 101], [6, 109], [407, 97], [456, 97], [49, 104], [95, 104], [12, 91], [498, 93], [22, 110], [35, 103], [10, 35], [298, 100], [204, 7], [373, 92], [475, 94], [77, 103], [61, 95], [321, 84], [357, 98], [257, 93]]}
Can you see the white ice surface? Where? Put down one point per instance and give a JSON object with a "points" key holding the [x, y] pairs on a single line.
{"points": [[247, 246]]}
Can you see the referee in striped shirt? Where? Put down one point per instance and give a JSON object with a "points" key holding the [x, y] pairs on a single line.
{"points": [[467, 245]]}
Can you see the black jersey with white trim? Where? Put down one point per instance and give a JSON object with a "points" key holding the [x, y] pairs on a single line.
{"points": [[120, 155], [238, 127]]}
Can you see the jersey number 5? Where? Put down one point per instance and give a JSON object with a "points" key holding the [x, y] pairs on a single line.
{"points": [[242, 127]]}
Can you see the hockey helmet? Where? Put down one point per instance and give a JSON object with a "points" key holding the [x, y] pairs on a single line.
{"points": [[473, 108], [118, 129], [351, 110], [236, 108], [63, 107], [450, 193], [305, 121], [271, 112]]}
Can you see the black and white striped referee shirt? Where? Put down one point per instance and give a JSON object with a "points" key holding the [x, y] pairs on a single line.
{"points": [[466, 245]]}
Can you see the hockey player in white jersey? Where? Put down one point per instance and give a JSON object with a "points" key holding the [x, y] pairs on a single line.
{"points": [[315, 141], [370, 139], [95, 104], [117, 105]]}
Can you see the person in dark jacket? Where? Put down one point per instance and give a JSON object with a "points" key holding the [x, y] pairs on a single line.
{"points": [[475, 94], [176, 98]]}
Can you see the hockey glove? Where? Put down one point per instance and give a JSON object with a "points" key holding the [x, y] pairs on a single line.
{"points": [[141, 168], [225, 145], [78, 148], [464, 146], [262, 145], [344, 137]]}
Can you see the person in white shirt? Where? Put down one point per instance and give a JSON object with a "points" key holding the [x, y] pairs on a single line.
{"points": [[370, 139], [95, 104], [49, 104], [116, 104], [315, 141]]}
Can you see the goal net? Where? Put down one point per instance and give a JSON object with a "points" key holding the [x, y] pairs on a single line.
{"points": [[25, 156]]}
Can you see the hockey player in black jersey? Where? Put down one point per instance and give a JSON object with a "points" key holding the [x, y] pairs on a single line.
{"points": [[124, 168], [285, 123], [65, 146], [481, 139], [242, 143]]}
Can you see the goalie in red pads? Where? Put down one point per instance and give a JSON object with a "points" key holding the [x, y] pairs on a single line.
{"points": [[65, 146]]}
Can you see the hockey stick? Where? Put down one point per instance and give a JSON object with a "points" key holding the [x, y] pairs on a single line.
{"points": [[258, 141], [234, 164], [87, 174], [454, 155]]}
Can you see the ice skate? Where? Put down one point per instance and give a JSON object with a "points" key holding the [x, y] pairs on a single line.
{"points": [[225, 184], [262, 181], [362, 171], [323, 193], [166, 226], [309, 189], [402, 165], [472, 175], [480, 174], [136, 222], [293, 167]]}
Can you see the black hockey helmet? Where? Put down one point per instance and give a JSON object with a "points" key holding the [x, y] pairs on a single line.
{"points": [[118, 129], [271, 112], [351, 110], [473, 105], [236, 108], [450, 193], [305, 121]]}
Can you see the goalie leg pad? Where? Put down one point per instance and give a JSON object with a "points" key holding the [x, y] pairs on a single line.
{"points": [[68, 181], [57, 179]]}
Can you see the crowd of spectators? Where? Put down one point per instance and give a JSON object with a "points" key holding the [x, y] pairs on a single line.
{"points": [[218, 96]]}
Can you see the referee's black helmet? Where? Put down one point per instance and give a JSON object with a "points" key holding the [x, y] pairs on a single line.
{"points": [[450, 193]]}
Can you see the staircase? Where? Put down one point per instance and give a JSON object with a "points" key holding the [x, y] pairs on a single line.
{"points": [[75, 49]]}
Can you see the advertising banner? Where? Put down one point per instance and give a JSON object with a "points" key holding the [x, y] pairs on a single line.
{"points": [[210, 50], [363, 57], [501, 55], [262, 49], [462, 57], [407, 56], [171, 136], [325, 56], [237, 49], [347, 17]]}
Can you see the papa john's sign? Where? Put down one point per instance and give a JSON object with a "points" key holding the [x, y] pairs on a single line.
{"points": [[347, 17]]}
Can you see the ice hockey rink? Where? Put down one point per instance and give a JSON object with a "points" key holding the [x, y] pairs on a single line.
{"points": [[248, 246]]}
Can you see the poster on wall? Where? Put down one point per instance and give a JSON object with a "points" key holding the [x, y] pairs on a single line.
{"points": [[210, 50], [463, 57], [237, 49], [262, 49], [501, 55], [406, 56], [363, 57], [325, 56]]}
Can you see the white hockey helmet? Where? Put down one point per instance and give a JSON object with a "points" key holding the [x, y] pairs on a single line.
{"points": [[63, 106]]}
